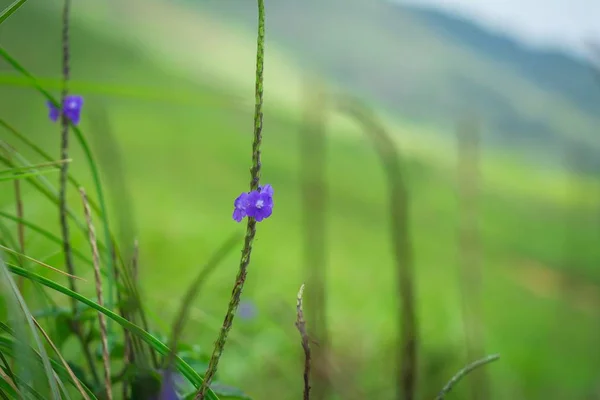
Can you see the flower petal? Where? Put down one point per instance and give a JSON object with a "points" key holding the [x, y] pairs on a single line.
{"points": [[239, 214], [54, 112], [267, 189]]}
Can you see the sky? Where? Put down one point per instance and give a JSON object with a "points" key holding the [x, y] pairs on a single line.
{"points": [[566, 24]]}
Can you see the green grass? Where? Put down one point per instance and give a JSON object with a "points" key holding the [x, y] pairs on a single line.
{"points": [[185, 161]]}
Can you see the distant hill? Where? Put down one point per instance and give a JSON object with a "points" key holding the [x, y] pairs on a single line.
{"points": [[430, 66]]}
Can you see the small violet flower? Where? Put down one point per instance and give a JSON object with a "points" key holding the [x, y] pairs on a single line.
{"points": [[247, 310], [257, 204], [72, 109], [167, 391]]}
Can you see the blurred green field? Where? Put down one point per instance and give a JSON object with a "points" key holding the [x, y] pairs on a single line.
{"points": [[185, 136]]}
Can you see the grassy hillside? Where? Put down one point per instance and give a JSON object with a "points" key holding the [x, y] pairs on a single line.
{"points": [[185, 143], [433, 67]]}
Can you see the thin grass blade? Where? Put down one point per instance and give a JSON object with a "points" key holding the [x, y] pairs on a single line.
{"points": [[10, 10]]}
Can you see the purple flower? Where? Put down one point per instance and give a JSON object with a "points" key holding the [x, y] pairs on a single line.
{"points": [[247, 310], [167, 391], [257, 204], [72, 109]]}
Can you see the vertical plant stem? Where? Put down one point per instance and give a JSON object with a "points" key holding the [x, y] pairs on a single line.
{"points": [[64, 149], [64, 176], [314, 190], [98, 280], [301, 325], [470, 251], [401, 240], [251, 227]]}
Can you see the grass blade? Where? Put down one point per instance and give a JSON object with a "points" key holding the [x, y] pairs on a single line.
{"points": [[10, 10]]}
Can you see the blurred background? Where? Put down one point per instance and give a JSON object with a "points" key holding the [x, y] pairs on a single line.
{"points": [[494, 108]]}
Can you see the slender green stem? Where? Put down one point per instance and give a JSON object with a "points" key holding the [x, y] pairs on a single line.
{"points": [[251, 227], [62, 188], [401, 239], [64, 151]]}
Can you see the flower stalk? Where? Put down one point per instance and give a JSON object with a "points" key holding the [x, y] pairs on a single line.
{"points": [[255, 172]]}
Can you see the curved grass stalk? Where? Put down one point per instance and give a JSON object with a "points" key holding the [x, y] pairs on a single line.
{"points": [[463, 372]]}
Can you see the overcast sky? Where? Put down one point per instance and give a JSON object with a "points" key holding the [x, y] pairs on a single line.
{"points": [[563, 23]]}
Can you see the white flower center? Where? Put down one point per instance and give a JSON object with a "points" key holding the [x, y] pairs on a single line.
{"points": [[260, 203]]}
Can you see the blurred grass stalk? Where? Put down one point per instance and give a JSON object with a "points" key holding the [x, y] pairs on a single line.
{"points": [[314, 196], [468, 154], [386, 149]]}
